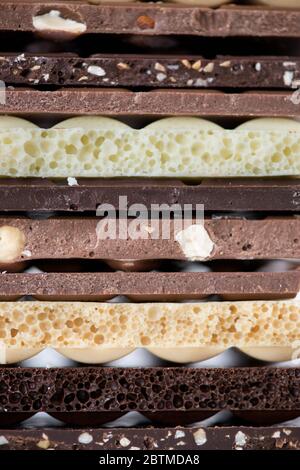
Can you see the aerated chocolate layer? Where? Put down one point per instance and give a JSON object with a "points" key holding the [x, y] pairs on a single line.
{"points": [[86, 238], [151, 71], [207, 103], [149, 438], [166, 395], [150, 286], [147, 19]]}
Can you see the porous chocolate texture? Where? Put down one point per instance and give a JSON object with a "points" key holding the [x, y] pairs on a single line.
{"points": [[117, 102], [152, 19], [272, 195], [150, 438], [165, 395], [150, 286], [154, 71]]}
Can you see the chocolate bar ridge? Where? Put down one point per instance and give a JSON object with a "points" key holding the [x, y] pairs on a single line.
{"points": [[156, 19], [149, 438]]}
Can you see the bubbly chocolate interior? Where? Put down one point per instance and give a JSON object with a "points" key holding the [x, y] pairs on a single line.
{"points": [[172, 396]]}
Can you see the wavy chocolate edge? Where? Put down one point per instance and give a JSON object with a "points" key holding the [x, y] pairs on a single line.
{"points": [[150, 438]]}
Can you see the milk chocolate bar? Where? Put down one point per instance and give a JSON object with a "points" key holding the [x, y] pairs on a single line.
{"points": [[151, 71], [170, 396], [67, 19], [23, 239], [150, 438], [95, 333], [151, 286], [117, 102], [42, 195]]}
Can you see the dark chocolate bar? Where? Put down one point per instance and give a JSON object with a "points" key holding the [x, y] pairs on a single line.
{"points": [[148, 19], [272, 195], [116, 102], [171, 396], [158, 71], [150, 286], [149, 438], [82, 238]]}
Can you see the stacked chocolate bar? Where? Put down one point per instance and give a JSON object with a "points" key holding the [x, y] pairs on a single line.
{"points": [[166, 329]]}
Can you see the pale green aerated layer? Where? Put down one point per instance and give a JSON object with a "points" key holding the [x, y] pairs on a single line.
{"points": [[166, 151]]}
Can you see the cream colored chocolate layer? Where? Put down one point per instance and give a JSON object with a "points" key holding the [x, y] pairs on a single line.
{"points": [[172, 147], [278, 3], [99, 332]]}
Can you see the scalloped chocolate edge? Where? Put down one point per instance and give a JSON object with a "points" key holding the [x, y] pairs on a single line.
{"points": [[150, 438]]}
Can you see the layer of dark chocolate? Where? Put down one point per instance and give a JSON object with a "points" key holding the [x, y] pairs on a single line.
{"points": [[42, 195], [150, 286], [154, 71], [155, 19], [172, 396], [149, 438], [78, 238], [117, 102]]}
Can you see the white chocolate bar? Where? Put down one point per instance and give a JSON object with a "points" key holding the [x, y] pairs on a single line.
{"points": [[100, 332], [174, 147]]}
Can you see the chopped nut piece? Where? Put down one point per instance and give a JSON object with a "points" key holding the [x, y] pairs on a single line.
{"points": [[179, 434], [197, 65], [95, 70], [43, 444], [240, 439], [209, 67], [3, 441], [145, 22], [225, 64], [85, 438], [123, 66], [124, 442], [186, 63], [200, 437], [161, 76], [159, 67]]}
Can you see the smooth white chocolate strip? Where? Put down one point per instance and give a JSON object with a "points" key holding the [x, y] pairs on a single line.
{"points": [[172, 147], [100, 332]]}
